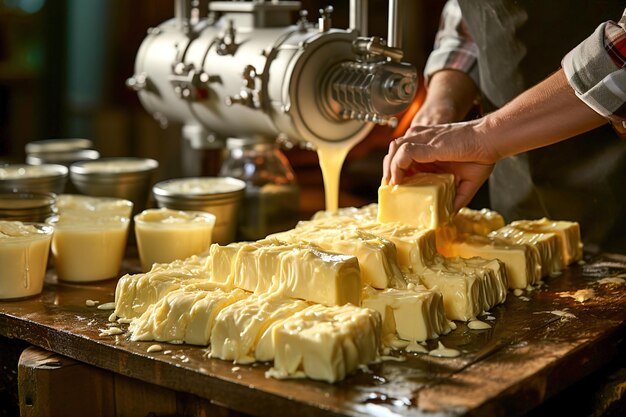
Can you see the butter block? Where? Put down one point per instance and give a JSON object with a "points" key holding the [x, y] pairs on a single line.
{"points": [[567, 232], [415, 247], [326, 343], [134, 293], [414, 314], [183, 316], [293, 270], [468, 286], [425, 200], [545, 244], [222, 259], [461, 291], [494, 283], [242, 331], [477, 222], [368, 213], [522, 263], [376, 255]]}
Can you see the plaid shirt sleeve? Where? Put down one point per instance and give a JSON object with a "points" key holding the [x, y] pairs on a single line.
{"points": [[596, 70], [454, 46]]}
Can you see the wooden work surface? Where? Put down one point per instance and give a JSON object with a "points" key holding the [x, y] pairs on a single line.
{"points": [[529, 355]]}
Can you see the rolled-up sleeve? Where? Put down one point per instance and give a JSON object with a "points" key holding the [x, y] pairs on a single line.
{"points": [[454, 46], [596, 70]]}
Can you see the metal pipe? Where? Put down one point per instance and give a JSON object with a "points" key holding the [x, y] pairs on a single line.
{"points": [[394, 25], [182, 13], [358, 16]]}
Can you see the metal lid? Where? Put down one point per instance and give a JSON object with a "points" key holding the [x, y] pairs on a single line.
{"points": [[33, 178], [63, 158], [23, 172], [29, 207], [57, 145], [199, 187], [113, 167]]}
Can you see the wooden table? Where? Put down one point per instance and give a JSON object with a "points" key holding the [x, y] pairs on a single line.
{"points": [[529, 355]]}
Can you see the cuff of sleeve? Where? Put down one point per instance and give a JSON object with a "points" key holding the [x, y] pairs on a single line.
{"points": [[459, 60], [594, 76]]}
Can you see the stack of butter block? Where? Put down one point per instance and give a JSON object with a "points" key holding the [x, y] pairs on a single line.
{"points": [[530, 249], [332, 294], [414, 217]]}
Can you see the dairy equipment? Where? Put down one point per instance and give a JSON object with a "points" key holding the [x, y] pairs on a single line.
{"points": [[245, 71]]}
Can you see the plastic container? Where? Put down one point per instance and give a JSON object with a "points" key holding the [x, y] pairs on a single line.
{"points": [[165, 235], [24, 250], [127, 178], [90, 235], [87, 251], [271, 200], [27, 207], [47, 178], [220, 196]]}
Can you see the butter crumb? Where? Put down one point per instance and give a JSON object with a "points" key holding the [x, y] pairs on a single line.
{"points": [[154, 348], [444, 352], [518, 292], [91, 303], [112, 331], [416, 348], [106, 306], [478, 325]]}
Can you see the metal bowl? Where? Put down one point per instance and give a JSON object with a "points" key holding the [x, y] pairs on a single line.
{"points": [[57, 145], [128, 178], [220, 196], [47, 178]]}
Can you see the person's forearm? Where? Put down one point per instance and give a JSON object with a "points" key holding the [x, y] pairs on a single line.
{"points": [[450, 96], [543, 115]]}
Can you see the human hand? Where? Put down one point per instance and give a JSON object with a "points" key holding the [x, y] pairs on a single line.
{"points": [[452, 148], [433, 113]]}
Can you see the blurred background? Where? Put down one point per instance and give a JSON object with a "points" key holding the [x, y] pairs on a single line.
{"points": [[63, 66]]}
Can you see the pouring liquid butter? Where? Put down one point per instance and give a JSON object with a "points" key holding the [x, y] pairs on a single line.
{"points": [[331, 157]]}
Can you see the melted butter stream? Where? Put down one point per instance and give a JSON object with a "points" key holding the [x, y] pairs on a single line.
{"points": [[331, 156]]}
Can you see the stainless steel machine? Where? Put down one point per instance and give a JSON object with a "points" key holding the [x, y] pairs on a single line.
{"points": [[244, 70]]}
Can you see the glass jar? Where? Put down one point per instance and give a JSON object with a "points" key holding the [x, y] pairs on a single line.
{"points": [[271, 198]]}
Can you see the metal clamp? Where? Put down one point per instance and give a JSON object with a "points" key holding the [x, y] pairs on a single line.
{"points": [[227, 45], [188, 83], [376, 47]]}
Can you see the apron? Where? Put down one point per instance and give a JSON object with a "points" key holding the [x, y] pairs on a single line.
{"points": [[582, 179]]}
